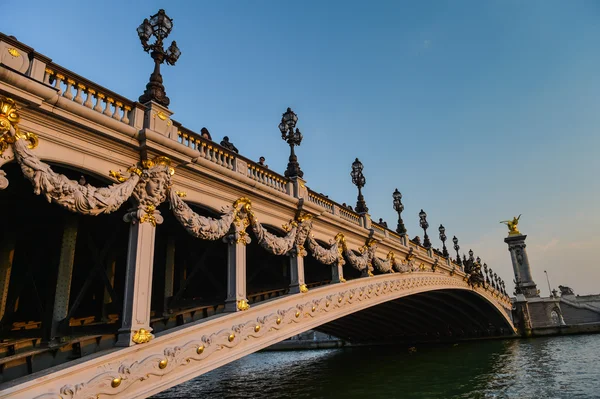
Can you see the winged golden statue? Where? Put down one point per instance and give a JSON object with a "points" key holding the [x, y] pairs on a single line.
{"points": [[512, 226]]}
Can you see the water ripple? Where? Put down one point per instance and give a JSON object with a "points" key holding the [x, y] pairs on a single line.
{"points": [[556, 367]]}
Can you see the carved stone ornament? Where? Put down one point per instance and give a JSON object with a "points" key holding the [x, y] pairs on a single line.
{"points": [[151, 191], [270, 242], [57, 188], [207, 228], [364, 262], [328, 256], [387, 265]]}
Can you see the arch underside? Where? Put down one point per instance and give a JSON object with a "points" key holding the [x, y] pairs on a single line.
{"points": [[431, 316]]}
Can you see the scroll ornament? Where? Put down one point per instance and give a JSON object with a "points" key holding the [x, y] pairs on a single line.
{"points": [[364, 262], [237, 233], [328, 256]]}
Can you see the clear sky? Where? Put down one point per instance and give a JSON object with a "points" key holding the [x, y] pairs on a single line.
{"points": [[476, 111]]}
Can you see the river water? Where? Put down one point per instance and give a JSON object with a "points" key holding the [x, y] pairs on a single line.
{"points": [[540, 368]]}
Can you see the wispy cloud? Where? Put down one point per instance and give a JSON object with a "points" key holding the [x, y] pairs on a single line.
{"points": [[551, 244], [582, 244]]}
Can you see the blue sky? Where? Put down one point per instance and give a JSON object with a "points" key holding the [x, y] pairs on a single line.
{"points": [[476, 111]]}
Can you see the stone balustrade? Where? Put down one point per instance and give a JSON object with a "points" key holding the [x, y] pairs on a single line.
{"points": [[88, 94], [321, 200], [379, 229], [349, 215]]}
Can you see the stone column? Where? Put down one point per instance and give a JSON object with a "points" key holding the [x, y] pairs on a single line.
{"points": [[297, 274], [236, 275], [520, 261], [135, 326], [7, 253], [65, 274], [337, 272]]}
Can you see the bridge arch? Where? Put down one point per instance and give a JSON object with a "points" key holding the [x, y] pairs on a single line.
{"points": [[197, 348]]}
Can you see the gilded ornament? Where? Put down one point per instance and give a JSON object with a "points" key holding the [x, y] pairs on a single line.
{"points": [[278, 321], [297, 313], [231, 337], [512, 226], [342, 280], [243, 305], [14, 52], [200, 349], [257, 328], [142, 336], [181, 194], [314, 308], [163, 364], [162, 116], [116, 382], [351, 295], [340, 300], [303, 289], [326, 304], [160, 160]]}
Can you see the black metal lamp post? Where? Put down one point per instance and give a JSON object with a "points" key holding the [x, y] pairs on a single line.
{"points": [[399, 207], [456, 248], [487, 278], [442, 231], [471, 258], [424, 226], [159, 26], [293, 138], [359, 181]]}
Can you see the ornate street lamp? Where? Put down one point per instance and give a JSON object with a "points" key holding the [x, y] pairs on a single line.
{"points": [[399, 207], [359, 181], [293, 138], [159, 26], [424, 226], [456, 248], [471, 258], [442, 231]]}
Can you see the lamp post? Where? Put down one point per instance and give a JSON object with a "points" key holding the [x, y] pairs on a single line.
{"points": [[159, 26], [424, 226], [456, 248], [359, 181], [399, 207], [471, 255], [487, 278], [442, 231], [293, 138]]}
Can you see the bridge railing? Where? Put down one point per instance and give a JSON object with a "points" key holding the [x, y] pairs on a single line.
{"points": [[227, 159], [82, 91]]}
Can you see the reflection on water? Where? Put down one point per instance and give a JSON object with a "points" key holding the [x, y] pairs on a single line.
{"points": [[557, 367]]}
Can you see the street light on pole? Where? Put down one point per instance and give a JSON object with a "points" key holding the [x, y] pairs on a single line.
{"points": [[548, 280]]}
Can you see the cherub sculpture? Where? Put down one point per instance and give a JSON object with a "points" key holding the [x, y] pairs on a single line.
{"points": [[512, 226]]}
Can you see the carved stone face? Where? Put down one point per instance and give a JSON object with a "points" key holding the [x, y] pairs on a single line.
{"points": [[155, 186]]}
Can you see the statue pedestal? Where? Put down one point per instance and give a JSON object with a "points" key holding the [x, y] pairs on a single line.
{"points": [[524, 283]]}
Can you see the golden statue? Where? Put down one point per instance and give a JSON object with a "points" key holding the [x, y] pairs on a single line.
{"points": [[512, 226]]}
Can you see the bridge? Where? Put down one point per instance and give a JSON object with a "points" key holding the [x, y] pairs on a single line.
{"points": [[136, 254]]}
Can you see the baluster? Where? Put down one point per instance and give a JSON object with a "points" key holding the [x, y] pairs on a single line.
{"points": [[220, 158], [57, 81], [107, 110], [202, 149], [48, 73], [78, 97], [88, 99], [68, 95], [117, 114], [192, 143], [126, 111], [99, 98], [207, 154], [214, 154]]}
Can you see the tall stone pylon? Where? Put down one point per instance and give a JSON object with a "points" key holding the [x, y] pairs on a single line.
{"points": [[524, 283]]}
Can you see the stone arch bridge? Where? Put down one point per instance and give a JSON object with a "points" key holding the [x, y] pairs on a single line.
{"points": [[136, 254]]}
